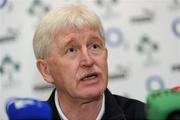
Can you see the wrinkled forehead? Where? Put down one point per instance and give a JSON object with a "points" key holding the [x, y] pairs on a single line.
{"points": [[68, 30]]}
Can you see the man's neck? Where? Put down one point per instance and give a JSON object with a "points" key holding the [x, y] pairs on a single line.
{"points": [[80, 109]]}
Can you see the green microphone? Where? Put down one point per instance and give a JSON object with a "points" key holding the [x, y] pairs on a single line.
{"points": [[164, 104]]}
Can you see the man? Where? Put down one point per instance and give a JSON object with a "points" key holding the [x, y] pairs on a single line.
{"points": [[69, 45]]}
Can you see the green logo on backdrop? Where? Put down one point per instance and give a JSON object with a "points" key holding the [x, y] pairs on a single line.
{"points": [[8, 68], [147, 47]]}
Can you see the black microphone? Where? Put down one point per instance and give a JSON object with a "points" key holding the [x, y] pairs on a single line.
{"points": [[28, 109]]}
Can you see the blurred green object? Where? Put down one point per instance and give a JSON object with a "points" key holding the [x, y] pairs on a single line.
{"points": [[163, 103]]}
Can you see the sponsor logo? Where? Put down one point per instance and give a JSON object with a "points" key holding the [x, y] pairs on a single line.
{"points": [[42, 87], [175, 4], [176, 68], [2, 3], [11, 34], [154, 82], [147, 16], [114, 37], [176, 27], [38, 9], [147, 47], [108, 6], [122, 72], [8, 69], [7, 5]]}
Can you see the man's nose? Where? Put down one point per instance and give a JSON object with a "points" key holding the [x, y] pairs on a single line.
{"points": [[86, 59]]}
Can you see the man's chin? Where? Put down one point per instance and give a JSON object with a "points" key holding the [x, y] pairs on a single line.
{"points": [[92, 94]]}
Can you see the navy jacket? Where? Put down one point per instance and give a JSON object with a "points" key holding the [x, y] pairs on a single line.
{"points": [[116, 108]]}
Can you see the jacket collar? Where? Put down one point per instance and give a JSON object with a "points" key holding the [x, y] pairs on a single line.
{"points": [[112, 110], [51, 101]]}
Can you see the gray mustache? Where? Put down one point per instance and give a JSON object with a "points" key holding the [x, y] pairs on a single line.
{"points": [[86, 72]]}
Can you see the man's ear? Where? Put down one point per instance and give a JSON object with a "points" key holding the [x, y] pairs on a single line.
{"points": [[44, 70]]}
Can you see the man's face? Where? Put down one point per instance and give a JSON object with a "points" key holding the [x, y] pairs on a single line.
{"points": [[77, 63]]}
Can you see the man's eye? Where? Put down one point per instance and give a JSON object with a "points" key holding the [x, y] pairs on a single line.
{"points": [[95, 46], [70, 50]]}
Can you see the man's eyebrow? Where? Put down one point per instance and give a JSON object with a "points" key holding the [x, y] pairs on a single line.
{"points": [[65, 42], [96, 38], [68, 42]]}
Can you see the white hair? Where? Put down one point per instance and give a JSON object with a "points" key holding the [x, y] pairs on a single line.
{"points": [[76, 16]]}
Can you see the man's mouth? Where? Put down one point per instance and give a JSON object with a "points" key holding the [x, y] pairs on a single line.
{"points": [[89, 76]]}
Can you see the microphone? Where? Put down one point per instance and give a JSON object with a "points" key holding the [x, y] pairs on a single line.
{"points": [[28, 109], [164, 104]]}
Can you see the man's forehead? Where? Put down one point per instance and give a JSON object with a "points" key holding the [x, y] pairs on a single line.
{"points": [[75, 31]]}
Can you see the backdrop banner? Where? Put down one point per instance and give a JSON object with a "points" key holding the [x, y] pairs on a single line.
{"points": [[142, 36]]}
